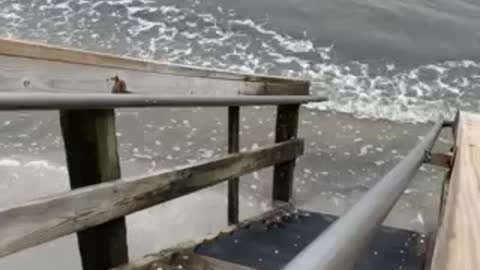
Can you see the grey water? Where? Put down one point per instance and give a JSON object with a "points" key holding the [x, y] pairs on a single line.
{"points": [[388, 68]]}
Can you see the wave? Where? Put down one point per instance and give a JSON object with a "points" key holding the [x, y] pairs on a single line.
{"points": [[205, 35], [42, 165]]}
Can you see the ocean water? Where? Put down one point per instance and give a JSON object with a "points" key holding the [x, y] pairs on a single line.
{"points": [[401, 61], [388, 68]]}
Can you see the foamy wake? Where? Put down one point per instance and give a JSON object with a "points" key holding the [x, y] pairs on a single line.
{"points": [[195, 33]]}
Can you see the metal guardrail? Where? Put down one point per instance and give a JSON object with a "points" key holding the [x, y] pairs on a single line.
{"points": [[339, 247], [110, 101]]}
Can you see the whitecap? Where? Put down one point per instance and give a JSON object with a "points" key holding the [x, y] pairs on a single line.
{"points": [[44, 165], [9, 162], [364, 150]]}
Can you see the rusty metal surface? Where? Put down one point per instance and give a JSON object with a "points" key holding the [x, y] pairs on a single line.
{"points": [[271, 244]]}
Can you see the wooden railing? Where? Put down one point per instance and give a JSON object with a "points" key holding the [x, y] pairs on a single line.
{"points": [[32, 66], [100, 198]]}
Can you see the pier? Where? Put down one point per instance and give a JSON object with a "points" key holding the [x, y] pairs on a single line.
{"points": [[282, 238]]}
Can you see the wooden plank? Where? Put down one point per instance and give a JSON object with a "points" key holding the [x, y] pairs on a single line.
{"points": [[198, 262], [441, 160], [233, 147], [153, 261], [286, 129], [26, 65], [458, 240], [192, 261], [45, 219], [92, 158]]}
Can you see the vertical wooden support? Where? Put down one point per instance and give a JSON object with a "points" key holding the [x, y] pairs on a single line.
{"points": [[233, 146], [286, 129], [92, 158]]}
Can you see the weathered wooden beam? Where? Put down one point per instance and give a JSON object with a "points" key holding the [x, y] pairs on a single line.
{"points": [[456, 245], [46, 219], [193, 261], [233, 147], [92, 158], [33, 65], [440, 159], [286, 129], [154, 261], [188, 260]]}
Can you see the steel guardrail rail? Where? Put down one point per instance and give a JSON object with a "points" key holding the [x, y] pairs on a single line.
{"points": [[339, 247], [50, 101]]}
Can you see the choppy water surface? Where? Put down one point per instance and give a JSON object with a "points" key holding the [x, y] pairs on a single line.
{"points": [[401, 85], [391, 66]]}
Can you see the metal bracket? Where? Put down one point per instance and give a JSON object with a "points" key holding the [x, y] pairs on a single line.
{"points": [[427, 157]]}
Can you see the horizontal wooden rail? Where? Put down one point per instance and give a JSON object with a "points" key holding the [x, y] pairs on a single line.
{"points": [[109, 101], [28, 65], [49, 218], [70, 55]]}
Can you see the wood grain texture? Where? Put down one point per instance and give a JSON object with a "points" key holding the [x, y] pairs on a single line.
{"points": [[458, 239], [286, 129], [27, 66], [233, 147], [192, 261], [45, 219], [92, 158]]}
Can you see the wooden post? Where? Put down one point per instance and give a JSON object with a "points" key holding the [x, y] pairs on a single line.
{"points": [[92, 157], [286, 129], [233, 146]]}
